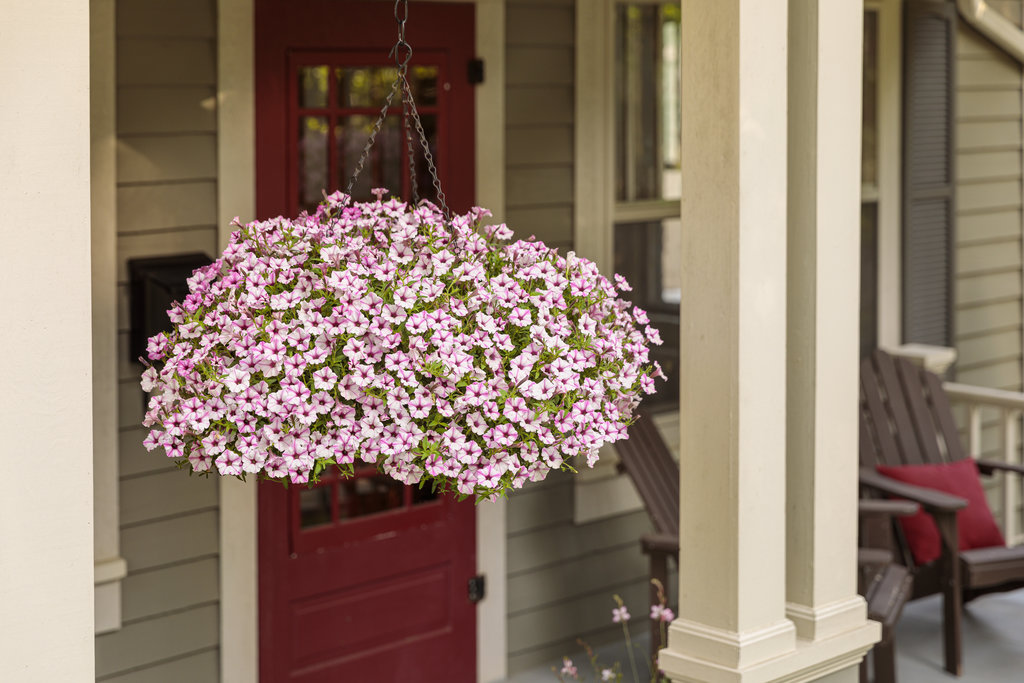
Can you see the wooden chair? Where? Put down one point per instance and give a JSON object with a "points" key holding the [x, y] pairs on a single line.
{"points": [[886, 588], [906, 420], [647, 460], [645, 457]]}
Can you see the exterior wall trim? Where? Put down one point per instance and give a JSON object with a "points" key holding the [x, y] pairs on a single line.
{"points": [[109, 567], [994, 26], [239, 636], [236, 196]]}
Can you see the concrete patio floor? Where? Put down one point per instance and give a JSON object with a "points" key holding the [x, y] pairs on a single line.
{"points": [[993, 641], [993, 645]]}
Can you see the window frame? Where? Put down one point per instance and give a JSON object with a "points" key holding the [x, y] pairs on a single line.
{"points": [[889, 168], [601, 492]]}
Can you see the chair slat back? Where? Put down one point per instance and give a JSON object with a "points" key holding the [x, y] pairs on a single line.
{"points": [[905, 415], [649, 463]]}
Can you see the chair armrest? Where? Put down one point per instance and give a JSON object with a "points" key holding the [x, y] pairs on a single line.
{"points": [[934, 502], [990, 466], [873, 556], [658, 542], [880, 507]]}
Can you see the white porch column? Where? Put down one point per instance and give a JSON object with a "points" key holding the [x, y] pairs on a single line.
{"points": [[823, 314], [738, 598], [733, 337], [46, 507]]}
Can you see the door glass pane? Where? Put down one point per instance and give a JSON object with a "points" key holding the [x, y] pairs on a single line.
{"points": [[365, 86], [424, 180], [647, 101], [315, 506], [383, 167], [312, 86], [369, 495], [423, 495], [312, 160], [423, 80]]}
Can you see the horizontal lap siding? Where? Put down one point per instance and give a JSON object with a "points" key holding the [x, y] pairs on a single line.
{"points": [[539, 73], [988, 235], [989, 227], [166, 204], [562, 575]]}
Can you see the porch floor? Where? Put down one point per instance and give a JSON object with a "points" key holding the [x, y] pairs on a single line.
{"points": [[993, 644]]}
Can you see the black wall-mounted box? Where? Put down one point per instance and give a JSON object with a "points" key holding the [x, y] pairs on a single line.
{"points": [[154, 284]]}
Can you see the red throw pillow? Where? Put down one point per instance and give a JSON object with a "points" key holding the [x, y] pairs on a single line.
{"points": [[975, 523]]}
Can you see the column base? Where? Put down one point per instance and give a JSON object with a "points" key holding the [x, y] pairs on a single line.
{"points": [[730, 649], [808, 661], [815, 623]]}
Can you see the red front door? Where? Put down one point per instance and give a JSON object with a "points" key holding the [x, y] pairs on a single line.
{"points": [[361, 580]]}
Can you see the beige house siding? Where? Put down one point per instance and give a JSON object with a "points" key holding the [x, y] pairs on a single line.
{"points": [[988, 253], [166, 204], [539, 119], [989, 225], [561, 575]]}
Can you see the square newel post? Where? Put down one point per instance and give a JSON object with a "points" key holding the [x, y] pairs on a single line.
{"points": [[732, 615], [823, 321], [46, 505]]}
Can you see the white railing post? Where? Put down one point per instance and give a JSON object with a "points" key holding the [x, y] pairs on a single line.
{"points": [[1011, 407], [1011, 484], [974, 429]]}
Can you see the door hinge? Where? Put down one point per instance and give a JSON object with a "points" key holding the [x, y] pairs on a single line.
{"points": [[475, 588], [475, 71]]}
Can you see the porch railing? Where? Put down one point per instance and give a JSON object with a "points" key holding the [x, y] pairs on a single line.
{"points": [[1008, 405]]}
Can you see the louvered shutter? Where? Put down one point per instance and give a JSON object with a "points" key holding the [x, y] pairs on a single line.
{"points": [[928, 170]]}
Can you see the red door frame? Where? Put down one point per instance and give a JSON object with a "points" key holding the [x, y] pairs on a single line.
{"points": [[279, 25]]}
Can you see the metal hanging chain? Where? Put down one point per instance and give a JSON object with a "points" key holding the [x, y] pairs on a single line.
{"points": [[402, 53]]}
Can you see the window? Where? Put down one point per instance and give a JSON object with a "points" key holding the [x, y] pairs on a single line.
{"points": [[647, 188], [628, 192], [880, 302]]}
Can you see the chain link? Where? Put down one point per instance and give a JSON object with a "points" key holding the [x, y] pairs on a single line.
{"points": [[402, 52], [441, 200]]}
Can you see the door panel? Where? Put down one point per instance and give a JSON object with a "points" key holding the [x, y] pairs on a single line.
{"points": [[361, 579]]}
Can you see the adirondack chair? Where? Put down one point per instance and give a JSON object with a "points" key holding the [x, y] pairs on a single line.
{"points": [[647, 460], [886, 587], [645, 457], [906, 420]]}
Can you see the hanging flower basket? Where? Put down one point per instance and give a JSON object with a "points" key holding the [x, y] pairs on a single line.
{"points": [[382, 333]]}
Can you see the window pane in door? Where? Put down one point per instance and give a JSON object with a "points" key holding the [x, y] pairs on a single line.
{"points": [[365, 86], [313, 86], [315, 506], [383, 167], [424, 180], [423, 80], [312, 149], [369, 495]]}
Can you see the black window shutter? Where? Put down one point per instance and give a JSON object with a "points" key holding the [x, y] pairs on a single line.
{"points": [[929, 35]]}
